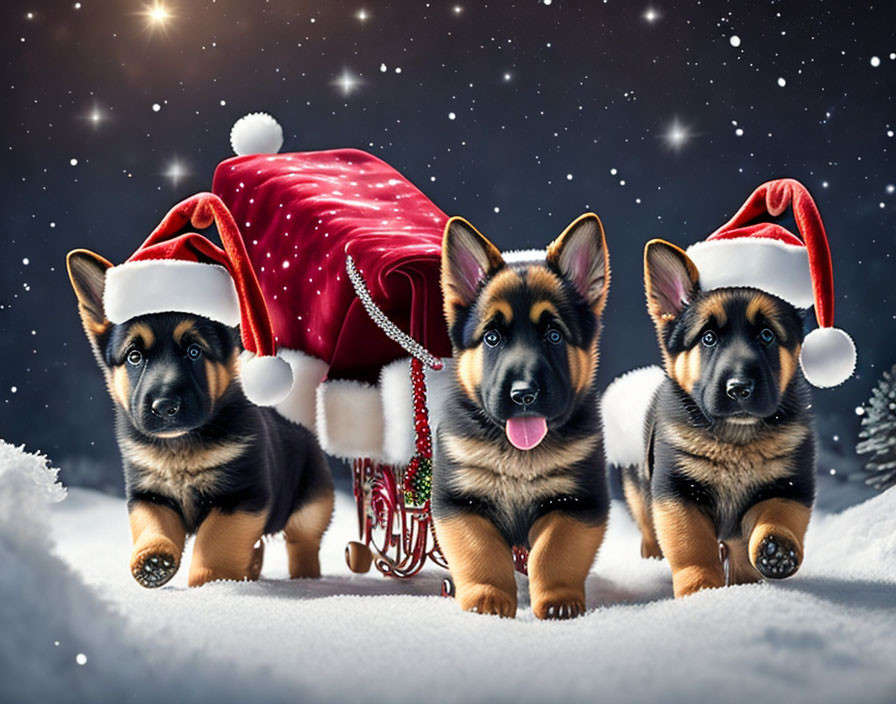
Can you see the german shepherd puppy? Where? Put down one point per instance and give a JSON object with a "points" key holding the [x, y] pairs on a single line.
{"points": [[518, 457], [729, 463], [198, 457]]}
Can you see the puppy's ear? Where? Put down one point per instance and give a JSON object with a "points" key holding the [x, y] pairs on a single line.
{"points": [[580, 253], [87, 272], [671, 280], [468, 259]]}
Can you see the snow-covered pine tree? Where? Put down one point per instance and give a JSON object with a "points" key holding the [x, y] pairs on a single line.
{"points": [[878, 435]]}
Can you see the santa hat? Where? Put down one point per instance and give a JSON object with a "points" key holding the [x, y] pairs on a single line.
{"points": [[187, 273], [750, 251]]}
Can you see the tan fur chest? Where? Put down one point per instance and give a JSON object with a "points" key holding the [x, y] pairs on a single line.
{"points": [[733, 470], [179, 472], [511, 479]]}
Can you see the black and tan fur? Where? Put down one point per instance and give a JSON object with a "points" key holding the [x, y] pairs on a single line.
{"points": [[730, 448], [488, 495], [198, 457]]}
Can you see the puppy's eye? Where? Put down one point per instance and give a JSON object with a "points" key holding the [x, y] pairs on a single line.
{"points": [[709, 339], [492, 338], [134, 357], [554, 336], [194, 351], [767, 336]]}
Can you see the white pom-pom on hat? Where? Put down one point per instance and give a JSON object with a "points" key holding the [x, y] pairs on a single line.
{"points": [[828, 357], [256, 133], [749, 250], [266, 380]]}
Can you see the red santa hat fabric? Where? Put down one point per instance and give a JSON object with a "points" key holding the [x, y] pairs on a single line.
{"points": [[749, 250], [173, 271], [302, 215]]}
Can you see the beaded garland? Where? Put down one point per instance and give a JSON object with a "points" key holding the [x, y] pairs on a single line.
{"points": [[392, 331], [418, 475]]}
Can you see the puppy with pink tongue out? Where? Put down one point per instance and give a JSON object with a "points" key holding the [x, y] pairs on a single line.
{"points": [[518, 457]]}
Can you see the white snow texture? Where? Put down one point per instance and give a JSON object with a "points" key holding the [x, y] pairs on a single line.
{"points": [[827, 635]]}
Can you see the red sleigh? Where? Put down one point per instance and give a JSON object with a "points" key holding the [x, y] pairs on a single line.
{"points": [[347, 252]]}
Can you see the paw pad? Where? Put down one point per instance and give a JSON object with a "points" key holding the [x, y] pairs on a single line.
{"points": [[154, 569], [776, 558]]}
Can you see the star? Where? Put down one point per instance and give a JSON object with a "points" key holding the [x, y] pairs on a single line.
{"points": [[676, 135], [176, 171], [457, 9], [157, 16], [347, 82], [362, 15], [96, 116], [651, 15]]}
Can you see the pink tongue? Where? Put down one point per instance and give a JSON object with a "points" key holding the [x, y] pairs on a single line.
{"points": [[526, 432]]}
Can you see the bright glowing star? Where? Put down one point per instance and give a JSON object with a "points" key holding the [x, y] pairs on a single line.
{"points": [[506, 76], [73, 162], [81, 659], [383, 68], [175, 172], [457, 9], [362, 15], [875, 61], [96, 116], [156, 107], [569, 177], [891, 188], [651, 15], [157, 16], [29, 16], [824, 184], [451, 116], [734, 40], [677, 135], [347, 83], [782, 82]]}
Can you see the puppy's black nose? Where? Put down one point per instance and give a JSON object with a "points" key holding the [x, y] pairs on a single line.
{"points": [[523, 393], [739, 389], [166, 407]]}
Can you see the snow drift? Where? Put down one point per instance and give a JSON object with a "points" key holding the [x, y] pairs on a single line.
{"points": [[827, 635]]}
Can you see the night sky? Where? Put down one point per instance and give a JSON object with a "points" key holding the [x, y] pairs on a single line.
{"points": [[661, 117]]}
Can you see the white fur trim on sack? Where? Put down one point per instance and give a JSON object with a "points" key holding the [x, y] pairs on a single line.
{"points": [[624, 408], [170, 286], [307, 372], [397, 391], [350, 419], [758, 262]]}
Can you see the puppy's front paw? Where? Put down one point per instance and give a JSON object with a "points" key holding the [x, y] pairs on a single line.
{"points": [[689, 580], [777, 557], [560, 606], [153, 568], [486, 599]]}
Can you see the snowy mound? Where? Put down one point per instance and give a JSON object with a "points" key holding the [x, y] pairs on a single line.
{"points": [[58, 641], [827, 635]]}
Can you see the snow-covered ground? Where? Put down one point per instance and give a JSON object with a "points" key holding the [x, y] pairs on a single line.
{"points": [[827, 635]]}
